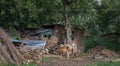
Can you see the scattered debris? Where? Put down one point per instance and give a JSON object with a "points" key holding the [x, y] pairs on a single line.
{"points": [[31, 55], [51, 44], [100, 52]]}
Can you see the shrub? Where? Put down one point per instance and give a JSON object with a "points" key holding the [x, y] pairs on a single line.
{"points": [[111, 43]]}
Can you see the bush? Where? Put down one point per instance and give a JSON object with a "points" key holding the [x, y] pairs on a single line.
{"points": [[92, 42], [14, 33], [111, 43]]}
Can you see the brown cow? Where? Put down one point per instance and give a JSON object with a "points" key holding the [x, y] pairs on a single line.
{"points": [[68, 49]]}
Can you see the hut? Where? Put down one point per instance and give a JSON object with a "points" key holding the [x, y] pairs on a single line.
{"points": [[60, 32]]}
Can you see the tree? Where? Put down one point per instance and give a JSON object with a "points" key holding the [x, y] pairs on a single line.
{"points": [[109, 14], [107, 31], [29, 13], [66, 3]]}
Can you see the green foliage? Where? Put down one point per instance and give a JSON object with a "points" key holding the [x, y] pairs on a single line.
{"points": [[109, 12], [30, 64], [29, 13], [107, 22], [111, 43], [32, 13], [93, 42], [106, 64], [14, 34], [10, 64], [83, 14], [86, 14]]}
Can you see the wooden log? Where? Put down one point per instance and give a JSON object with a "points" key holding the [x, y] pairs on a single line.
{"points": [[14, 53], [5, 57]]}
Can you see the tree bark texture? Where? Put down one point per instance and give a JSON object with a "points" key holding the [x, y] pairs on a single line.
{"points": [[67, 23]]}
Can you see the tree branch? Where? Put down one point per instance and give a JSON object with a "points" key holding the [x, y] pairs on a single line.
{"points": [[111, 34]]}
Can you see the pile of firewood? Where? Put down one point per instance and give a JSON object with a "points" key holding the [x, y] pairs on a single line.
{"points": [[52, 44], [100, 52], [33, 56], [11, 54], [8, 52]]}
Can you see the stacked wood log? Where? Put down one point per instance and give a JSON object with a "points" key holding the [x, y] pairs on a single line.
{"points": [[33, 56], [51, 44], [8, 52]]}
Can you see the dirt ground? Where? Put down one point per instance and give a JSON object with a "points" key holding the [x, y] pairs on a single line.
{"points": [[93, 56], [54, 60]]}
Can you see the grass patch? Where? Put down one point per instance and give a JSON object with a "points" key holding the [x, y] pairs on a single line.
{"points": [[12, 64], [30, 65], [45, 59], [106, 64]]}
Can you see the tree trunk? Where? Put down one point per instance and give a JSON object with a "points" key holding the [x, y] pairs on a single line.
{"points": [[4, 55], [79, 37], [67, 24]]}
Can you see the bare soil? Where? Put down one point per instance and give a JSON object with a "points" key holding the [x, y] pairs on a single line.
{"points": [[95, 55], [54, 60]]}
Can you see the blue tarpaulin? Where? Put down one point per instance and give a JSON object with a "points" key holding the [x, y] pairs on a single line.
{"points": [[31, 42]]}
